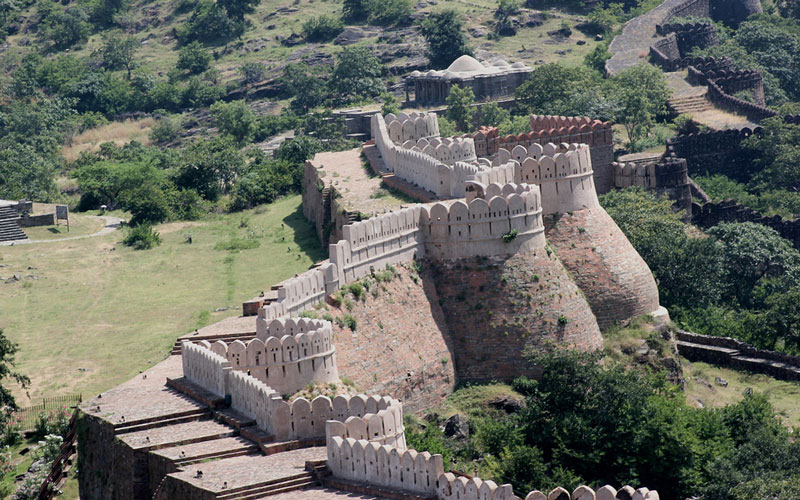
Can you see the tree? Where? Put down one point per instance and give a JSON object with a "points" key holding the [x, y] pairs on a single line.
{"points": [[548, 85], [443, 32], [354, 11], [643, 93], [235, 119], [390, 103], [322, 28], [8, 352], [6, 8], [237, 9], [66, 28], [493, 115], [390, 12], [118, 52], [209, 22], [459, 107], [26, 173], [209, 167], [307, 85], [194, 58], [104, 11], [357, 75], [298, 149]]}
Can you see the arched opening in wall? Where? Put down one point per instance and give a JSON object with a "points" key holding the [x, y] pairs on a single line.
{"points": [[284, 370], [313, 363]]}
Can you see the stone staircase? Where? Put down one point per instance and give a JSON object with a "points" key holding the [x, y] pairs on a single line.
{"points": [[269, 488], [9, 225], [161, 421], [690, 104]]}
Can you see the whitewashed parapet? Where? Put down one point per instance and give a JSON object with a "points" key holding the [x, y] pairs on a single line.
{"points": [[302, 292], [302, 419], [251, 397], [411, 126], [452, 487], [563, 172], [286, 326], [446, 150], [369, 245], [287, 363], [605, 493], [632, 174], [383, 465], [205, 368], [506, 223]]}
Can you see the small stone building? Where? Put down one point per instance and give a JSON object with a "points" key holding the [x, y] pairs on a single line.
{"points": [[488, 80]]}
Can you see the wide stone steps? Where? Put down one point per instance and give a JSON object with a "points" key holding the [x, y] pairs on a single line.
{"points": [[161, 421], [269, 488], [250, 450], [10, 229], [692, 104], [230, 337]]}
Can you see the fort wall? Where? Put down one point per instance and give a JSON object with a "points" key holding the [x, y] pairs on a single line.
{"points": [[205, 368], [412, 126], [563, 173], [711, 214], [713, 152], [669, 176], [447, 151]]}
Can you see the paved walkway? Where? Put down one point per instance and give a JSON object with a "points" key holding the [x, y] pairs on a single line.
{"points": [[632, 46], [112, 224]]}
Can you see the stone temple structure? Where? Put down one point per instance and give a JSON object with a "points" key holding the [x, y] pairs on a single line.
{"points": [[519, 232], [488, 80]]}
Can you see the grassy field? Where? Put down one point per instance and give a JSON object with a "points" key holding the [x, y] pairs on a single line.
{"points": [[79, 225], [100, 312], [701, 388]]}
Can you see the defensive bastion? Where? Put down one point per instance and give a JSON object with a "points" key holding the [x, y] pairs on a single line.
{"points": [[523, 257]]}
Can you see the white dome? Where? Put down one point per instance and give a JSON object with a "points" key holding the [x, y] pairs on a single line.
{"points": [[465, 64]]}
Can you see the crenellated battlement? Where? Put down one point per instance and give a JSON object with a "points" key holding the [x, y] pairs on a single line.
{"points": [[412, 126], [484, 227], [446, 150]]}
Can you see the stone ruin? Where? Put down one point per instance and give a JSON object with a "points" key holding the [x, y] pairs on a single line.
{"points": [[488, 80]]}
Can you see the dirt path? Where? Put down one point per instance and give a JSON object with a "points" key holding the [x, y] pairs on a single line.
{"points": [[112, 224]]}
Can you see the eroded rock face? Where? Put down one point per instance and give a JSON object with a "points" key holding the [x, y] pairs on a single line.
{"points": [[616, 281], [499, 309]]}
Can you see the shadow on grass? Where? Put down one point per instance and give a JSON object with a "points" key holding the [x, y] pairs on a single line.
{"points": [[305, 235]]}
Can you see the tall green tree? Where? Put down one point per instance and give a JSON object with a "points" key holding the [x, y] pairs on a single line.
{"points": [[8, 353], [235, 119], [357, 75], [119, 51], [444, 34], [643, 94], [460, 107], [237, 9]]}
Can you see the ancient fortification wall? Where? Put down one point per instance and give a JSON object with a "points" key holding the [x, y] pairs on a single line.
{"points": [[615, 280], [711, 214], [669, 176], [712, 152], [411, 127], [447, 151], [206, 368]]}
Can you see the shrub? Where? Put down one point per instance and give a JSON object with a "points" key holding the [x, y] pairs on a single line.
{"points": [[164, 130], [390, 12], [322, 29], [351, 323], [209, 22], [142, 237], [356, 289], [194, 58], [445, 38], [252, 72], [66, 28], [235, 119]]}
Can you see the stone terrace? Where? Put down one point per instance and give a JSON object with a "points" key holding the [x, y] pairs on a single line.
{"points": [[356, 183]]}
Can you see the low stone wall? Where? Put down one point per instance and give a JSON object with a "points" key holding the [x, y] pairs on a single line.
{"points": [[736, 354], [711, 214], [669, 176], [205, 368], [38, 220]]}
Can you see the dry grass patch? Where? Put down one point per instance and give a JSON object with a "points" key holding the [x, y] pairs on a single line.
{"points": [[117, 132]]}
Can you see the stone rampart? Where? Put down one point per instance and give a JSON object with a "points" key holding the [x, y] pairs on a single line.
{"points": [[727, 351], [669, 176], [287, 363], [447, 151], [563, 173], [721, 84], [711, 214], [302, 292], [500, 225], [412, 126], [395, 468], [205, 368], [717, 151], [372, 244]]}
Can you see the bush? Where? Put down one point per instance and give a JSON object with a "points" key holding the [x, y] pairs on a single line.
{"points": [[52, 422], [141, 237], [235, 119], [390, 12], [322, 29], [443, 32], [208, 23], [66, 28], [164, 130], [252, 72], [194, 58]]}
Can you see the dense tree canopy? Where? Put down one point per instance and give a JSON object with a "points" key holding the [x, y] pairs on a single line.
{"points": [[443, 31]]}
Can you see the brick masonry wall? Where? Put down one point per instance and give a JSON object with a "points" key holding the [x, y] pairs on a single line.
{"points": [[497, 309], [616, 281], [399, 347]]}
